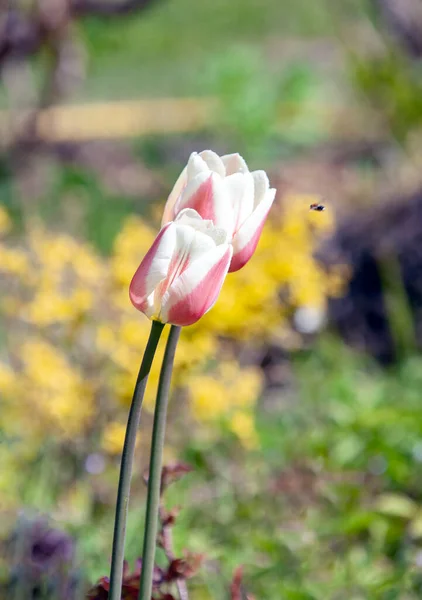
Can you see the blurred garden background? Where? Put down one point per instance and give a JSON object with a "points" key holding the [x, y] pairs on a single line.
{"points": [[297, 400]]}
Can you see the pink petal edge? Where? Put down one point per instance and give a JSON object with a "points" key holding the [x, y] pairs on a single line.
{"points": [[179, 186], [243, 255], [202, 200], [201, 299], [137, 289]]}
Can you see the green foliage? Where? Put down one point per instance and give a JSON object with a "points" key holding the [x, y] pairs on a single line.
{"points": [[393, 86], [164, 50], [91, 208], [327, 505], [259, 103], [330, 504], [247, 96]]}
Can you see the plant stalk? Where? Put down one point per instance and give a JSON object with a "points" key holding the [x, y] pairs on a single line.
{"points": [[118, 552], [155, 466]]}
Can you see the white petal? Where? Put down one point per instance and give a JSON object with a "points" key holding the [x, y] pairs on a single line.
{"points": [[197, 289], [182, 249], [149, 306], [246, 239], [190, 217], [234, 163], [196, 164], [190, 243], [154, 266], [161, 259], [193, 242], [214, 162], [168, 214], [261, 186], [254, 221], [240, 191]]}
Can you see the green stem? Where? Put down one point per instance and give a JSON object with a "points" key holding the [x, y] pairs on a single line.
{"points": [[118, 552], [155, 465]]}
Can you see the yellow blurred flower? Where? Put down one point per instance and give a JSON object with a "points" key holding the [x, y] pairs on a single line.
{"points": [[13, 261], [7, 380], [229, 387], [83, 341], [243, 425], [5, 222], [113, 438], [53, 387]]}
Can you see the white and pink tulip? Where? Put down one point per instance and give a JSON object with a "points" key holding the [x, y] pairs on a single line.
{"points": [[223, 190], [181, 276]]}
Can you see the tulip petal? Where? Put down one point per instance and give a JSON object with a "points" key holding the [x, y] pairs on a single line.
{"points": [[214, 162], [202, 163], [246, 239], [179, 186], [240, 192], [196, 164], [197, 289], [261, 186], [188, 216], [206, 194], [234, 163], [153, 268], [190, 244]]}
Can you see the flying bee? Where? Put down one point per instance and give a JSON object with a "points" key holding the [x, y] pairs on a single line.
{"points": [[316, 206]]}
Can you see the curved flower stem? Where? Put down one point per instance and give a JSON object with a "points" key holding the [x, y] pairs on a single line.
{"points": [[118, 552], [155, 465]]}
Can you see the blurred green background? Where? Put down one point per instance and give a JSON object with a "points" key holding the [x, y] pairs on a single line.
{"points": [[301, 389]]}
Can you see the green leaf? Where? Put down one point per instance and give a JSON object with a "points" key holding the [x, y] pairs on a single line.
{"points": [[396, 505]]}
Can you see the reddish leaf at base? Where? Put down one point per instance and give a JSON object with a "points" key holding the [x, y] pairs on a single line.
{"points": [[184, 568], [236, 588]]}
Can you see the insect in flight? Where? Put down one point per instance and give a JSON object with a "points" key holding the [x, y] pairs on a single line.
{"points": [[316, 206]]}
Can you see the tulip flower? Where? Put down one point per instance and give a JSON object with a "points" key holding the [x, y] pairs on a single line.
{"points": [[224, 191], [212, 224], [181, 275]]}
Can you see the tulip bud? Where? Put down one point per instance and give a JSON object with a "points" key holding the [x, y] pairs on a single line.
{"points": [[181, 275], [224, 191]]}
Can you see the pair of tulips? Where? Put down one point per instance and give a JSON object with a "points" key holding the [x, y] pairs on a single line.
{"points": [[211, 225]]}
